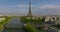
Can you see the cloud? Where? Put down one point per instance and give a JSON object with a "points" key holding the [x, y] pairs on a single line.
{"points": [[45, 9], [50, 6], [49, 9], [24, 5], [13, 11], [36, 10]]}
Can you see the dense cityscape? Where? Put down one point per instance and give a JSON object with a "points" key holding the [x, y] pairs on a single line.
{"points": [[29, 23]]}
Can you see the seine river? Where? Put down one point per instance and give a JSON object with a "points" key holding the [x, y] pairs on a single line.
{"points": [[15, 22]]}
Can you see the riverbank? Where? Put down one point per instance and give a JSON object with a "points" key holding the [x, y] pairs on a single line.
{"points": [[3, 23]]}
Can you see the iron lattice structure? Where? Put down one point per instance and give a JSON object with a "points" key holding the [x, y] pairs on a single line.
{"points": [[29, 12]]}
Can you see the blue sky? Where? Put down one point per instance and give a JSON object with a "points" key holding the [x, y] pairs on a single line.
{"points": [[39, 7]]}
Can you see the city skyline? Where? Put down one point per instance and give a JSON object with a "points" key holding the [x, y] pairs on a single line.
{"points": [[39, 7]]}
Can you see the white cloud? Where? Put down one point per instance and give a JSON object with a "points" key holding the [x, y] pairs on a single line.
{"points": [[50, 6], [36, 10], [25, 5], [22, 5], [48, 10]]}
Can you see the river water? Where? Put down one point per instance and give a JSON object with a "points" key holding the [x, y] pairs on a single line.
{"points": [[14, 22]]}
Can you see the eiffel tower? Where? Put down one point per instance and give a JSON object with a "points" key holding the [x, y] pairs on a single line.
{"points": [[29, 12]]}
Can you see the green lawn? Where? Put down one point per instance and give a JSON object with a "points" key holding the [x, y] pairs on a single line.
{"points": [[4, 22]]}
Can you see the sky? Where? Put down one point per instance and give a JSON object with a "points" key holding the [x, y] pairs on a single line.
{"points": [[39, 7]]}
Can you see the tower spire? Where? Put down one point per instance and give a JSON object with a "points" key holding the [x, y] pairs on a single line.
{"points": [[29, 13]]}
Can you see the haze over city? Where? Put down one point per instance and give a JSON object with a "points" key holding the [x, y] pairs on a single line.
{"points": [[39, 7], [29, 15]]}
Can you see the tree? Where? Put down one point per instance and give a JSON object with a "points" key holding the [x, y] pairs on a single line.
{"points": [[30, 28]]}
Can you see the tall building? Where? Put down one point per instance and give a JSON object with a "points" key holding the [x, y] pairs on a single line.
{"points": [[29, 12]]}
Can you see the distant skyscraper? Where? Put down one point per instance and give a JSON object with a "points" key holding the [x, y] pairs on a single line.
{"points": [[29, 12]]}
